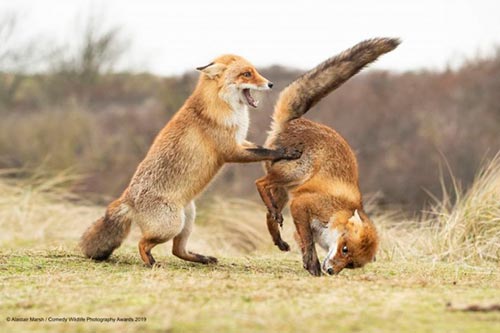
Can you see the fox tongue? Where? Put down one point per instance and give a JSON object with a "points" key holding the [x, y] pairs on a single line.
{"points": [[248, 96]]}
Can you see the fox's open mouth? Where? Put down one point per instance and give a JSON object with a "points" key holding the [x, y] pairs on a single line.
{"points": [[252, 102]]}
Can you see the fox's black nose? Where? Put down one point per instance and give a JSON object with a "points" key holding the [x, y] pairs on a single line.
{"points": [[270, 85], [330, 271]]}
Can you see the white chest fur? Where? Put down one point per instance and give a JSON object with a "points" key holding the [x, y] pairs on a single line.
{"points": [[241, 120], [325, 237]]}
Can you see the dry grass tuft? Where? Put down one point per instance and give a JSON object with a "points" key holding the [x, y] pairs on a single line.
{"points": [[460, 227], [468, 227], [233, 225], [40, 208]]}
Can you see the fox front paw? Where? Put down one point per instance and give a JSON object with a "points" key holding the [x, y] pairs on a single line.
{"points": [[282, 245], [314, 268]]}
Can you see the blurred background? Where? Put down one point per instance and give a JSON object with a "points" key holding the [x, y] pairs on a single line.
{"points": [[86, 85]]}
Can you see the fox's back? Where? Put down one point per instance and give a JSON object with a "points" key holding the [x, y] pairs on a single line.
{"points": [[324, 149]]}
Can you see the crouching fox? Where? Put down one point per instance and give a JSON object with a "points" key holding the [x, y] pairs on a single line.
{"points": [[326, 205]]}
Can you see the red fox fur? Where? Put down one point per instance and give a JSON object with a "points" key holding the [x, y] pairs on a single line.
{"points": [[326, 204], [208, 131]]}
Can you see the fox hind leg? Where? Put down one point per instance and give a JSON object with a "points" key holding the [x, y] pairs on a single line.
{"points": [[280, 195], [145, 246], [265, 188], [283, 174], [159, 222], [180, 241]]}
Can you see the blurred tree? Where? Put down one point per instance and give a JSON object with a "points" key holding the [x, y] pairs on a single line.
{"points": [[15, 55], [75, 71]]}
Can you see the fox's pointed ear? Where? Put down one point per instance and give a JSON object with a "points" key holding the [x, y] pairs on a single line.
{"points": [[212, 69], [356, 218]]}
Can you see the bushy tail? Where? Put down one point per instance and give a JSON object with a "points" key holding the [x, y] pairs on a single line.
{"points": [[107, 233], [310, 88]]}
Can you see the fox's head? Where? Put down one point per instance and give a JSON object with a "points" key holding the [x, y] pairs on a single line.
{"points": [[235, 78], [350, 240]]}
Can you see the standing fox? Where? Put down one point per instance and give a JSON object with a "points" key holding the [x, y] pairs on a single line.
{"points": [[326, 207], [208, 131]]}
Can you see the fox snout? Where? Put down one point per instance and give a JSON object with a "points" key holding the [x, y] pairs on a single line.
{"points": [[264, 86], [332, 268], [335, 265]]}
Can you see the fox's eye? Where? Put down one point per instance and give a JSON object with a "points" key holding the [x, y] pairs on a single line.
{"points": [[247, 74], [345, 250]]}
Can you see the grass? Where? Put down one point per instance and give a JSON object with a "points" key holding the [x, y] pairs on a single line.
{"points": [[254, 288], [257, 293], [469, 226]]}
